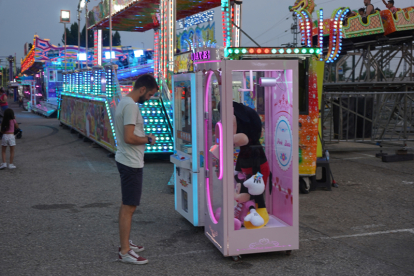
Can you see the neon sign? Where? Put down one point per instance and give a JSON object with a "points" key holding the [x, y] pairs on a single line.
{"points": [[203, 55]]}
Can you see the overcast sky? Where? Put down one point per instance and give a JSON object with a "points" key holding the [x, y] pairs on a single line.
{"points": [[267, 21]]}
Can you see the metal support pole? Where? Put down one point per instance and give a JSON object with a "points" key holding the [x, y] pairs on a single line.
{"points": [[411, 62], [86, 32], [353, 67], [110, 31], [64, 26], [79, 34], [10, 58]]}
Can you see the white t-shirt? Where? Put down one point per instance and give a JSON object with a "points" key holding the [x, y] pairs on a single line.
{"points": [[128, 113]]}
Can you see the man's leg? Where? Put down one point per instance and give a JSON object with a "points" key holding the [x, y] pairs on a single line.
{"points": [[125, 220]]}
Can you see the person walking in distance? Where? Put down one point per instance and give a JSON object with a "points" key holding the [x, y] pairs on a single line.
{"points": [[129, 157], [3, 101], [8, 125]]}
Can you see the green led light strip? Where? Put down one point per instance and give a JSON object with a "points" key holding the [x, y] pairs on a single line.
{"points": [[109, 96]]}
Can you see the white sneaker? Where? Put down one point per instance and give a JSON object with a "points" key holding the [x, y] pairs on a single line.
{"points": [[132, 258], [134, 247], [11, 166], [3, 165]]}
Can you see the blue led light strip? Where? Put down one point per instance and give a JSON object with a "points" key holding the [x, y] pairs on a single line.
{"points": [[320, 34]]}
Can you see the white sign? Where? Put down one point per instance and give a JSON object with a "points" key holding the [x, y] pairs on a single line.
{"points": [[195, 19], [283, 143]]}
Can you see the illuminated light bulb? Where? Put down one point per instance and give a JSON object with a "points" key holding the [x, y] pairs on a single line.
{"points": [[303, 51], [259, 51], [251, 51], [274, 51], [244, 51], [230, 51], [311, 51], [296, 51], [236, 51], [289, 51]]}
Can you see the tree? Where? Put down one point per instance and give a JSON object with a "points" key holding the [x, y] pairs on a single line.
{"points": [[388, 73], [116, 40], [72, 37], [90, 38]]}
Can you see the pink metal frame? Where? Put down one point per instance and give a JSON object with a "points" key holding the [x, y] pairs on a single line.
{"points": [[206, 149]]}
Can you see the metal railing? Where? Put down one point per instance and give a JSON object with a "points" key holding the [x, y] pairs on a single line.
{"points": [[368, 116]]}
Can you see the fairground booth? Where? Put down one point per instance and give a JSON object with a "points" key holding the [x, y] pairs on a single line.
{"points": [[242, 122]]}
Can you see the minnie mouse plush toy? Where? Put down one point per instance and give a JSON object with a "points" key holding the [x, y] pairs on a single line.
{"points": [[252, 169]]}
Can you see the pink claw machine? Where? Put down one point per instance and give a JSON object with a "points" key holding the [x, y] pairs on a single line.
{"points": [[251, 161]]}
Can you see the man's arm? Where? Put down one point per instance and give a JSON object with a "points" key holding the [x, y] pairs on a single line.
{"points": [[370, 8], [385, 3], [132, 139]]}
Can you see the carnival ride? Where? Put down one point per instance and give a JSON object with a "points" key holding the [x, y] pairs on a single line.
{"points": [[88, 101], [45, 62], [344, 27], [374, 101]]}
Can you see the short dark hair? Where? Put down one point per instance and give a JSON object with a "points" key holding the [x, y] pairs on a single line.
{"points": [[147, 81], [391, 1], [361, 9]]}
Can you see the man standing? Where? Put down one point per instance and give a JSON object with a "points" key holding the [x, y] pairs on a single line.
{"points": [[131, 138]]}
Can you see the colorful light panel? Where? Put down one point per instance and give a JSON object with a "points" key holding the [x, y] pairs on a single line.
{"points": [[234, 52]]}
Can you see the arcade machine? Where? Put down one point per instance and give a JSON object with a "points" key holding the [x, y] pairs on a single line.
{"points": [[88, 101], [252, 205], [205, 168], [188, 158]]}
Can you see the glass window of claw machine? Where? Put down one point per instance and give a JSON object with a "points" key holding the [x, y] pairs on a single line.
{"points": [[252, 180]]}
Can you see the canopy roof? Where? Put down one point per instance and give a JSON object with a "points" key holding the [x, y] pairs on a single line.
{"points": [[138, 15]]}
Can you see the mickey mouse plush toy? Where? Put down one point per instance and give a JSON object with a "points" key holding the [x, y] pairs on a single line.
{"points": [[252, 169]]}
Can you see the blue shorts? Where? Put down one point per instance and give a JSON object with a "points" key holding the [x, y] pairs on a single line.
{"points": [[131, 184]]}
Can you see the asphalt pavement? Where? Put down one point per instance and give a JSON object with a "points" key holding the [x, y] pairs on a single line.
{"points": [[59, 210]]}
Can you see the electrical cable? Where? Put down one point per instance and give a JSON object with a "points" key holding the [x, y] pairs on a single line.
{"points": [[273, 25], [276, 37]]}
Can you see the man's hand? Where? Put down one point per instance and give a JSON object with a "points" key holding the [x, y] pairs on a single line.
{"points": [[154, 139]]}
